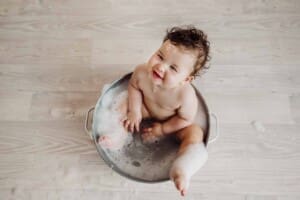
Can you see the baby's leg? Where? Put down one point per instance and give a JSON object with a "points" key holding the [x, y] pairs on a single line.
{"points": [[113, 135], [119, 109], [191, 157]]}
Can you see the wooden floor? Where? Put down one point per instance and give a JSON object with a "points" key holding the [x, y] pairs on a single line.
{"points": [[55, 56]]}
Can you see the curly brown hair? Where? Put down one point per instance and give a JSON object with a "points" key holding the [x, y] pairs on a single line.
{"points": [[191, 38]]}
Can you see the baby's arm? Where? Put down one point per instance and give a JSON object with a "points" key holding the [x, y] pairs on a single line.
{"points": [[185, 114], [134, 115], [184, 117]]}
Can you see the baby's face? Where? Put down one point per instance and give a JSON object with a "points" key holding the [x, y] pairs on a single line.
{"points": [[171, 66]]}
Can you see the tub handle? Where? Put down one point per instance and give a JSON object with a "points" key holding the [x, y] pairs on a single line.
{"points": [[86, 127], [216, 128]]}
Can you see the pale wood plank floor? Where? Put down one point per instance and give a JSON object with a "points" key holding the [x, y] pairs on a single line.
{"points": [[56, 55]]}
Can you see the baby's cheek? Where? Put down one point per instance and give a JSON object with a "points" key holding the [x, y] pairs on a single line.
{"points": [[170, 79], [151, 60], [154, 60]]}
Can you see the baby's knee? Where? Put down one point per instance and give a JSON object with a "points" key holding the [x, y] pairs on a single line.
{"points": [[191, 134]]}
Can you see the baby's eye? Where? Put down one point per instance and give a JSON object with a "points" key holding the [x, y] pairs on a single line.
{"points": [[173, 68], [160, 57]]}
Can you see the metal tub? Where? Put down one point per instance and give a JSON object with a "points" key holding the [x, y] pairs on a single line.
{"points": [[138, 161]]}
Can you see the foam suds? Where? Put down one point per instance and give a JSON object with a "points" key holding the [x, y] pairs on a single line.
{"points": [[258, 126], [109, 122], [191, 160]]}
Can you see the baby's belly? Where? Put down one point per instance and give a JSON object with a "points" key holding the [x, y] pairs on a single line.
{"points": [[158, 112]]}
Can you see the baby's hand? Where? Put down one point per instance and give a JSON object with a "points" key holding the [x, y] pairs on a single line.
{"points": [[132, 121], [154, 132]]}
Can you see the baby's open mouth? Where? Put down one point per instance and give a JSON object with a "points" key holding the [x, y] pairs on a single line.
{"points": [[156, 75]]}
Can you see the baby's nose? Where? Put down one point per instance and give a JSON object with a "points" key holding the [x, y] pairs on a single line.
{"points": [[162, 67]]}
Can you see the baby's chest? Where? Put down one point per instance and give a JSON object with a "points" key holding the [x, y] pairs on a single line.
{"points": [[160, 100]]}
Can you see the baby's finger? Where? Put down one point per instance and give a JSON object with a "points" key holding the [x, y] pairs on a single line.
{"points": [[131, 127], [123, 119], [137, 126], [126, 124]]}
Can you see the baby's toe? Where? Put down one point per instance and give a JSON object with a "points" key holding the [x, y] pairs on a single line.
{"points": [[105, 141]]}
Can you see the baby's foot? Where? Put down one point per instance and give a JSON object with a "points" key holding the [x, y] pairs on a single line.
{"points": [[148, 138], [105, 141], [152, 134], [109, 143], [181, 183]]}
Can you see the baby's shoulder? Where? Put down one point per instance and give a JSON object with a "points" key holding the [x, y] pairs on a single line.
{"points": [[140, 70], [188, 93], [138, 75], [140, 67]]}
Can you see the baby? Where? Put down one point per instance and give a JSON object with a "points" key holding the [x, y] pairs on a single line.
{"points": [[161, 89]]}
